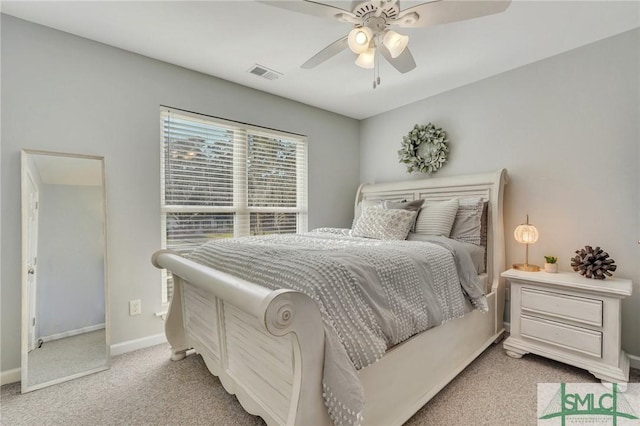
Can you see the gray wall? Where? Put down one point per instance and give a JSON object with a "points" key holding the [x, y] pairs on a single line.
{"points": [[568, 131], [65, 93], [70, 287]]}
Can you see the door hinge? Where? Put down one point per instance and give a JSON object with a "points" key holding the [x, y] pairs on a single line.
{"points": [[34, 322]]}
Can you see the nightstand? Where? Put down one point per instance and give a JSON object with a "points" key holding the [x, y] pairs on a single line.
{"points": [[571, 319]]}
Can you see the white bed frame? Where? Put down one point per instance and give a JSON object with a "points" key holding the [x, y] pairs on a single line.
{"points": [[267, 346]]}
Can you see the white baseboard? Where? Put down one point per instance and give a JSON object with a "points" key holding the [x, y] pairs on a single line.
{"points": [[72, 332], [9, 376], [134, 345]]}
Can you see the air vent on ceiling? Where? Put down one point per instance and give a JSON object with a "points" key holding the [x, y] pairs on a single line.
{"points": [[265, 72]]}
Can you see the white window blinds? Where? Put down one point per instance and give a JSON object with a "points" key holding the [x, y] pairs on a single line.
{"points": [[225, 179]]}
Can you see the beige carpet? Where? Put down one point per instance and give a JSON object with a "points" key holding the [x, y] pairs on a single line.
{"points": [[146, 388]]}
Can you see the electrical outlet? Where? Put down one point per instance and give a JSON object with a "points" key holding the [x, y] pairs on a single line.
{"points": [[135, 307]]}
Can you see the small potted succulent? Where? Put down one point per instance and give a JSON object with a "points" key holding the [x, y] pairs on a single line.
{"points": [[551, 264]]}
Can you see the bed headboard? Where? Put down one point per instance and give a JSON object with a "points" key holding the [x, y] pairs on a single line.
{"points": [[488, 186]]}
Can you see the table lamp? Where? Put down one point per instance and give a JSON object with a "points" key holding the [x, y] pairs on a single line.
{"points": [[526, 234]]}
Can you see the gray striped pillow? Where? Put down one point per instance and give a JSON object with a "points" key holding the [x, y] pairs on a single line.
{"points": [[436, 217]]}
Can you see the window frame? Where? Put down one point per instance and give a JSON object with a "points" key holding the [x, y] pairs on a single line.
{"points": [[240, 208]]}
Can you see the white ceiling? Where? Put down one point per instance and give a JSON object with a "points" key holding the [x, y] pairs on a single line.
{"points": [[226, 38]]}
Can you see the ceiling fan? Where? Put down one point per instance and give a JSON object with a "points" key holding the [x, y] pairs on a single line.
{"points": [[372, 20]]}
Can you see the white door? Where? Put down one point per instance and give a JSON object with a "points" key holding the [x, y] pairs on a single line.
{"points": [[32, 259]]}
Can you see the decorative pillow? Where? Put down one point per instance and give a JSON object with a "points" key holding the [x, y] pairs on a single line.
{"points": [[387, 204], [384, 224], [363, 205], [467, 225], [405, 205], [436, 217]]}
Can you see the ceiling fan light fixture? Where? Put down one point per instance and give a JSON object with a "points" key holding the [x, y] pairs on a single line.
{"points": [[366, 59], [359, 39], [396, 43]]}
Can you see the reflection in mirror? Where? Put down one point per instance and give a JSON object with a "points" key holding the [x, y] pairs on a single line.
{"points": [[65, 331]]}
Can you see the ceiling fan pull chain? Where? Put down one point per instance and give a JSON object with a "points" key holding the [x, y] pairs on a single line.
{"points": [[375, 63], [378, 66]]}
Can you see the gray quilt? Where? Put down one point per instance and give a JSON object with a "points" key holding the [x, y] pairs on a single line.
{"points": [[372, 294]]}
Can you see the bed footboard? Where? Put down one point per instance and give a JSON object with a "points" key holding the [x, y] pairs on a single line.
{"points": [[266, 346]]}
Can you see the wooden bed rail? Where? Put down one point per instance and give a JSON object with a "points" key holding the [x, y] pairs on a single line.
{"points": [[276, 312], [245, 295]]}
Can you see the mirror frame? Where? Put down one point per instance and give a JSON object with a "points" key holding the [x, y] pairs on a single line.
{"points": [[24, 264]]}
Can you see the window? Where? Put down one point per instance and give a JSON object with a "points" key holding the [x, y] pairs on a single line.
{"points": [[225, 179]]}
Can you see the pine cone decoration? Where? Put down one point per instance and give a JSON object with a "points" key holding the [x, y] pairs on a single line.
{"points": [[593, 263]]}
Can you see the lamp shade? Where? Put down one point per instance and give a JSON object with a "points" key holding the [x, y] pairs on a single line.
{"points": [[366, 59], [526, 234], [396, 43], [359, 39]]}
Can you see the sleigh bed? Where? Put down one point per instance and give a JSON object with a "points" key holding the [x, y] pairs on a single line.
{"points": [[268, 346]]}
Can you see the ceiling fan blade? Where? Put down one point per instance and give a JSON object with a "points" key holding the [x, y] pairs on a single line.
{"points": [[445, 11], [327, 53], [310, 8], [403, 63]]}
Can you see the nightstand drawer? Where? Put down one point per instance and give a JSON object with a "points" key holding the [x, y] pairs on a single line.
{"points": [[566, 336], [562, 306]]}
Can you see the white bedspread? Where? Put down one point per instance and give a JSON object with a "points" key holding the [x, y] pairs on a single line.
{"points": [[372, 294]]}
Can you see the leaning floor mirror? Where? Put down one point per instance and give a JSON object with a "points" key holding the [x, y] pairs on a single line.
{"points": [[65, 315]]}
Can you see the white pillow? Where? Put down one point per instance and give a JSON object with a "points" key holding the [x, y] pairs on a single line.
{"points": [[387, 204], [383, 224], [363, 205], [436, 217]]}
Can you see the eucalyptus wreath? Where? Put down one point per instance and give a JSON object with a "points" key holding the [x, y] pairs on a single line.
{"points": [[424, 149]]}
